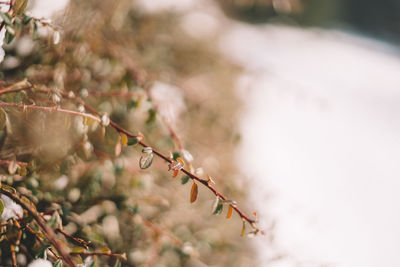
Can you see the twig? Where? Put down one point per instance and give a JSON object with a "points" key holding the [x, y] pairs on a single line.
{"points": [[100, 253], [13, 256], [51, 109], [47, 231], [242, 215]]}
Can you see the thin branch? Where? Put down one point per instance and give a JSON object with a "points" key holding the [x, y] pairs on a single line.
{"points": [[100, 253], [47, 231], [204, 182], [51, 109]]}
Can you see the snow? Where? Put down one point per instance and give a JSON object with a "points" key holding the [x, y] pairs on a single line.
{"points": [[322, 128]]}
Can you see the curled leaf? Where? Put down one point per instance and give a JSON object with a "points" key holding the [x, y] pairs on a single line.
{"points": [[217, 207], [193, 193], [229, 214], [243, 228], [146, 160]]}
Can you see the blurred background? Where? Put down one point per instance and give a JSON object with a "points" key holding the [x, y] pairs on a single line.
{"points": [[313, 87]]}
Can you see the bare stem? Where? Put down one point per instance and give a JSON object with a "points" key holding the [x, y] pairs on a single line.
{"points": [[51, 109]]}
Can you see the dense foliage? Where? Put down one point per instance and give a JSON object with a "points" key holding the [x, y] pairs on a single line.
{"points": [[87, 103]]}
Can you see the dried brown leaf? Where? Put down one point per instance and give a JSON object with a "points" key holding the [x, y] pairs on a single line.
{"points": [[193, 193]]}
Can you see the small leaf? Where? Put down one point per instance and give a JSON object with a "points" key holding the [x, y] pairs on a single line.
{"points": [[67, 122], [175, 155], [118, 147], [1, 207], [12, 167], [176, 172], [9, 37], [133, 141], [118, 263], [78, 250], [22, 171], [185, 179], [56, 37], [35, 31], [92, 263], [193, 193], [105, 250], [152, 116], [58, 263], [217, 207], [124, 139], [146, 160], [6, 17], [229, 214], [3, 119], [243, 228], [180, 161], [26, 20]]}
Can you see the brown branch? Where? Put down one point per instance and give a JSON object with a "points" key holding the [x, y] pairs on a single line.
{"points": [[47, 231], [16, 87], [100, 253], [13, 256], [51, 109], [242, 215], [78, 241]]}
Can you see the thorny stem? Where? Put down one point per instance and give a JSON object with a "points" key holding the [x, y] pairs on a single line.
{"points": [[242, 215], [47, 231]]}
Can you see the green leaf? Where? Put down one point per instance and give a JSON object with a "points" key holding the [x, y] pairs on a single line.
{"points": [[9, 37], [218, 206], [7, 18], [35, 30], [3, 119], [176, 155], [1, 206], [117, 263], [58, 263], [185, 179], [132, 141], [26, 20], [146, 160], [152, 116], [92, 263]]}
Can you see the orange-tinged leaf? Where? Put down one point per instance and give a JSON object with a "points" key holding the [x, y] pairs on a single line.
{"points": [[175, 173], [180, 161], [118, 148], [243, 228], [124, 139], [230, 210], [193, 193]]}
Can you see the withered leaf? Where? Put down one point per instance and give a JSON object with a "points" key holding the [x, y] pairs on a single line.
{"points": [[193, 193], [229, 214], [243, 228], [124, 139]]}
